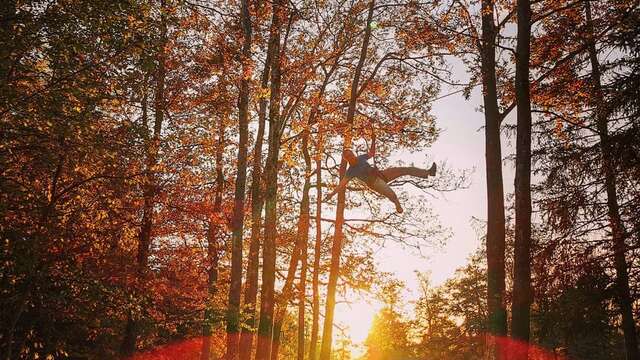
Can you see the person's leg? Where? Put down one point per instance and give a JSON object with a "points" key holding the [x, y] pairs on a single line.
{"points": [[382, 188], [393, 173]]}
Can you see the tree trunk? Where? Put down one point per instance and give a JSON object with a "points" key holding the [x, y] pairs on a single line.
{"points": [[313, 344], [235, 288], [495, 245], [214, 232], [522, 246], [304, 212], [300, 248], [128, 345], [299, 251], [336, 249], [301, 243], [265, 326], [302, 294], [618, 231], [257, 202]]}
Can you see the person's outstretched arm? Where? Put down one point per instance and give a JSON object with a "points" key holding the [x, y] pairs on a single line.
{"points": [[343, 183], [372, 149]]}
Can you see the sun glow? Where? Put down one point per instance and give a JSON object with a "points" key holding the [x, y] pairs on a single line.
{"points": [[355, 320]]}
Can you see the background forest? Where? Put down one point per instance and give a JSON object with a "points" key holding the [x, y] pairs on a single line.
{"points": [[163, 165]]}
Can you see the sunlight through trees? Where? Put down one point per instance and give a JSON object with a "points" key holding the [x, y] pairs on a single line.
{"points": [[167, 170]]}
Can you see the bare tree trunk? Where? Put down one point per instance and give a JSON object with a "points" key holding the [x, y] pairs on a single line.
{"points": [[301, 243], [275, 346], [313, 344], [618, 231], [302, 295], [214, 233], [336, 249], [300, 247], [235, 289], [305, 235], [299, 251], [129, 340], [257, 202], [520, 321], [495, 192], [265, 326]]}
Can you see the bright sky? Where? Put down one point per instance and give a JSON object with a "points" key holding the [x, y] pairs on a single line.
{"points": [[461, 146]]}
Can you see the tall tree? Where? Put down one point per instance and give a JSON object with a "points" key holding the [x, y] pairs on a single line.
{"points": [[315, 282], [521, 302], [336, 249], [317, 249], [576, 192], [302, 287], [233, 310], [299, 253], [151, 177], [493, 170], [257, 203], [215, 228], [618, 232], [297, 256], [265, 327], [90, 106]]}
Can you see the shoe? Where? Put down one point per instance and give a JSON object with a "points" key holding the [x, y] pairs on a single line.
{"points": [[399, 209], [432, 170]]}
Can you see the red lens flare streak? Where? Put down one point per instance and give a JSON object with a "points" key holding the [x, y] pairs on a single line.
{"points": [[191, 350]]}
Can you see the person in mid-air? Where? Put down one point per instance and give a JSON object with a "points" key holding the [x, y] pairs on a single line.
{"points": [[377, 180]]}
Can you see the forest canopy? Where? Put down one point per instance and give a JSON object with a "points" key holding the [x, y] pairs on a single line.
{"points": [[165, 167]]}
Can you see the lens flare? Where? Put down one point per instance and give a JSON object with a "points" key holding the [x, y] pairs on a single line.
{"points": [[514, 349]]}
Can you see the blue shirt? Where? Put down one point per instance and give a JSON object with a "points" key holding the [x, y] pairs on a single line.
{"points": [[361, 170]]}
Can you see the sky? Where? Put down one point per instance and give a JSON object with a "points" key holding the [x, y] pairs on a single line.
{"points": [[461, 146]]}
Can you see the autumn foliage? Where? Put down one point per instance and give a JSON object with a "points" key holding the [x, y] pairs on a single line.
{"points": [[163, 165]]}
